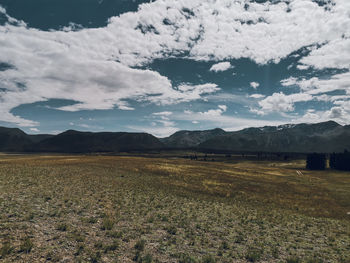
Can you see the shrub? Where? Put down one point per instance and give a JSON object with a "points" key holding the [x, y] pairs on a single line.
{"points": [[137, 257], [26, 245], [316, 161], [5, 249], [94, 258], [293, 260], [107, 224], [112, 247], [147, 259], [140, 245], [185, 258], [171, 230], [62, 227], [209, 259], [224, 245], [253, 255]]}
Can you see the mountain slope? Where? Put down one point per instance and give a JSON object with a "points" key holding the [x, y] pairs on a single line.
{"points": [[321, 137], [188, 139], [75, 141], [13, 139]]}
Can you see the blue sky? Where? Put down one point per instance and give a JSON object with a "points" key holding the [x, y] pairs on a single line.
{"points": [[167, 65]]}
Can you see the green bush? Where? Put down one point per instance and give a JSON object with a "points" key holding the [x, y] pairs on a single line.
{"points": [[253, 255], [62, 227], [209, 259], [5, 250], [185, 258], [293, 260], [140, 245], [107, 223], [26, 245]]}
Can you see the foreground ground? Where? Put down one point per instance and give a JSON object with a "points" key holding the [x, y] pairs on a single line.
{"points": [[127, 209]]}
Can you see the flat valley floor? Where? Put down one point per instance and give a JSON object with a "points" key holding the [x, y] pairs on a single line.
{"points": [[76, 208]]}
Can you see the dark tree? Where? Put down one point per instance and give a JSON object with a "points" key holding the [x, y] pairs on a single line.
{"points": [[340, 161], [316, 161]]}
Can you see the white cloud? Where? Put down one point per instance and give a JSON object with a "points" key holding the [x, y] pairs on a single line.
{"points": [[257, 111], [161, 125], [335, 54], [223, 66], [339, 114], [163, 113], [316, 85], [159, 131], [279, 102], [125, 106], [254, 85], [302, 67], [34, 129], [336, 112], [222, 107], [92, 66], [217, 112], [289, 82], [226, 122], [257, 96]]}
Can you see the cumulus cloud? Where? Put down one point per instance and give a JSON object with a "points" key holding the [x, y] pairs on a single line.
{"points": [[159, 131], [254, 85], [215, 112], [315, 85], [161, 124], [223, 66], [339, 114], [163, 113], [336, 112], [94, 67], [227, 122], [279, 102], [257, 96]]}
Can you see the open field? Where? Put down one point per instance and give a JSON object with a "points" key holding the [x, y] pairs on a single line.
{"points": [[60, 208]]}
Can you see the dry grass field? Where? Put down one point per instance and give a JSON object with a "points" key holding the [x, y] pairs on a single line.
{"points": [[146, 209]]}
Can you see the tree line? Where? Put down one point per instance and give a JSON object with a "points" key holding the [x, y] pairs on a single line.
{"points": [[337, 161]]}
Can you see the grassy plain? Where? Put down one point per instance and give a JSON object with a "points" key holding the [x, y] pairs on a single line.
{"points": [[141, 209]]}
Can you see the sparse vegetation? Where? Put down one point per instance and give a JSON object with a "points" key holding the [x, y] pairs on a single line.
{"points": [[133, 209], [107, 223], [140, 245], [5, 249], [26, 245]]}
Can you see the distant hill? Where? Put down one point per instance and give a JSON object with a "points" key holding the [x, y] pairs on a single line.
{"points": [[39, 137], [14, 140], [75, 141], [300, 138], [321, 137], [188, 139]]}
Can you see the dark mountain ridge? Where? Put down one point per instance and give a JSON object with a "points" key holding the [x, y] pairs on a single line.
{"points": [[188, 139], [299, 138], [320, 137], [13, 139], [79, 142]]}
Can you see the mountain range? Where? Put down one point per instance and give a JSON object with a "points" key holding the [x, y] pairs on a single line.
{"points": [[300, 138]]}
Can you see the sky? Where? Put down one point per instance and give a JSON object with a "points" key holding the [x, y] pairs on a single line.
{"points": [[167, 65]]}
